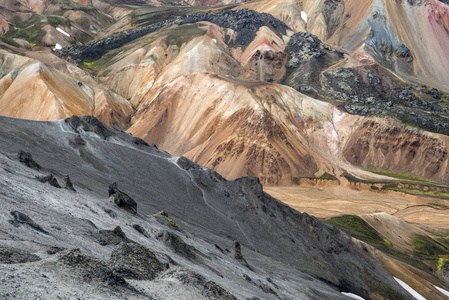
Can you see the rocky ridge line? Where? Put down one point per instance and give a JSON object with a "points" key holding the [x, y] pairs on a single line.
{"points": [[244, 21]]}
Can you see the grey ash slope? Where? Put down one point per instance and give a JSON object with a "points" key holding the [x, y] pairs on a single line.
{"points": [[284, 254]]}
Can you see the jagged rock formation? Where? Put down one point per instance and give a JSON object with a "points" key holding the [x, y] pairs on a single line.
{"points": [[135, 262], [122, 199], [68, 184], [21, 218], [27, 159]]}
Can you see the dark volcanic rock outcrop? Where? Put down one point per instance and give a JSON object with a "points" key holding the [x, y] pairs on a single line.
{"points": [[245, 22], [122, 199], [16, 256], [21, 218], [369, 90], [68, 184], [135, 261], [177, 244], [307, 58], [90, 268], [27, 159], [90, 124], [111, 237], [50, 179]]}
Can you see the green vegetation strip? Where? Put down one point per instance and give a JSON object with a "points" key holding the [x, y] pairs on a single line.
{"points": [[401, 175], [359, 229]]}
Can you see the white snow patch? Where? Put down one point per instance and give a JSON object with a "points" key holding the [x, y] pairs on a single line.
{"points": [[62, 31], [353, 296], [408, 288], [304, 16], [57, 47], [443, 291], [214, 40]]}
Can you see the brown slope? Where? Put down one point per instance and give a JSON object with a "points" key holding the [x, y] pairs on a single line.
{"points": [[388, 146], [273, 132], [229, 130], [241, 127]]}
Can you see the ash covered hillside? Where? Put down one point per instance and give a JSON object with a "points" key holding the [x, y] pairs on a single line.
{"points": [[91, 212]]}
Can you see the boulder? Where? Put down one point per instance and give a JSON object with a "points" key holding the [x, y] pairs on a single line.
{"points": [[122, 199], [135, 261]]}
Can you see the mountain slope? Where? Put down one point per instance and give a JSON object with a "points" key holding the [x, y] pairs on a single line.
{"points": [[209, 211], [53, 95]]}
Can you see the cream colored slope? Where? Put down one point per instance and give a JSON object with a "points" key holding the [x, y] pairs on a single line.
{"points": [[40, 94], [134, 72], [398, 232], [32, 90], [201, 54], [151, 61]]}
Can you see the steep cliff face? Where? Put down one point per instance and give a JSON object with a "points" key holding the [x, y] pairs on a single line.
{"points": [[375, 145]]}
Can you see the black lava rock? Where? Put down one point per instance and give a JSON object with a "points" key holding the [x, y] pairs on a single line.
{"points": [[122, 199], [21, 218], [27, 159], [50, 179]]}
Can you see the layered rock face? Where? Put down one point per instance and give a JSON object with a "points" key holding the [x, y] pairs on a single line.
{"points": [[375, 145]]}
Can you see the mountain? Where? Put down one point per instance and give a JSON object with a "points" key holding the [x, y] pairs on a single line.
{"points": [[340, 108], [275, 250], [247, 52], [52, 94]]}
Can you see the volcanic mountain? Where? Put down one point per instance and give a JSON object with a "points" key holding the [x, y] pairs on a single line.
{"points": [[176, 218], [210, 83], [346, 95]]}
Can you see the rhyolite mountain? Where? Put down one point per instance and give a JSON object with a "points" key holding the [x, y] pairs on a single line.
{"points": [[242, 88], [334, 93]]}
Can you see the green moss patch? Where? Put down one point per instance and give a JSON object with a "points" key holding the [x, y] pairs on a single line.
{"points": [[424, 245], [183, 34], [56, 21], [358, 228], [401, 175]]}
